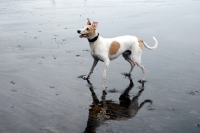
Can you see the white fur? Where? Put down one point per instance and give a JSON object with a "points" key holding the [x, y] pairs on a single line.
{"points": [[100, 51]]}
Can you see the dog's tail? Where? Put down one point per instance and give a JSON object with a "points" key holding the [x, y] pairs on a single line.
{"points": [[151, 48]]}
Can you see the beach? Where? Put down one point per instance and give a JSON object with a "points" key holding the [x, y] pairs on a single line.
{"points": [[42, 57]]}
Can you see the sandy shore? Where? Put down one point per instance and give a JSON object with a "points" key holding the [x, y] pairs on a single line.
{"points": [[42, 56]]}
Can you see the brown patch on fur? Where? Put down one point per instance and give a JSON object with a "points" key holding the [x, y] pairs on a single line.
{"points": [[91, 31], [114, 47], [140, 41]]}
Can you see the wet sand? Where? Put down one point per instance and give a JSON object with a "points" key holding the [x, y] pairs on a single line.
{"points": [[42, 56]]}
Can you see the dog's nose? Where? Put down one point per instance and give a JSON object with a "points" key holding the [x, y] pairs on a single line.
{"points": [[78, 31]]}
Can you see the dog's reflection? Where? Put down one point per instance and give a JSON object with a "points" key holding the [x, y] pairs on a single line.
{"points": [[103, 110]]}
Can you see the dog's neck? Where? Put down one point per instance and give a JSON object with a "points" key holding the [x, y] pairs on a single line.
{"points": [[94, 38]]}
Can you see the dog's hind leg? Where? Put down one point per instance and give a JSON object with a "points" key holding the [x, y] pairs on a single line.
{"points": [[136, 57], [139, 63], [126, 56]]}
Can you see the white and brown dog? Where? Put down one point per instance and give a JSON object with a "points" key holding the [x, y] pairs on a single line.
{"points": [[106, 49]]}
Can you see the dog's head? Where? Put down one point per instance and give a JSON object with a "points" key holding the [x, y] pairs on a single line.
{"points": [[89, 30]]}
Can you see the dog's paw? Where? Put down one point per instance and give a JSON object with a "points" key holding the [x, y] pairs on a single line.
{"points": [[104, 87], [126, 74], [83, 77], [141, 80]]}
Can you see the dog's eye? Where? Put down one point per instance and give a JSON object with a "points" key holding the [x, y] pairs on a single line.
{"points": [[87, 28]]}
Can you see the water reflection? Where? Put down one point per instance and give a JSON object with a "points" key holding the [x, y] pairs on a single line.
{"points": [[104, 110]]}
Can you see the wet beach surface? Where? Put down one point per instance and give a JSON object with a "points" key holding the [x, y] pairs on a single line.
{"points": [[42, 56]]}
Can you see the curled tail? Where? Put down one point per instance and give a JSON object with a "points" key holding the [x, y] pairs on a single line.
{"points": [[151, 48]]}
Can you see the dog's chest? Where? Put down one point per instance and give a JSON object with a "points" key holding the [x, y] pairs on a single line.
{"points": [[97, 52], [96, 55]]}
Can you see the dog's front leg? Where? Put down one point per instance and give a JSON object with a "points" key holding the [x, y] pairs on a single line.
{"points": [[91, 70], [104, 73]]}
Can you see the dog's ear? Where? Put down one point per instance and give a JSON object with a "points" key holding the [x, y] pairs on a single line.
{"points": [[88, 23], [95, 24]]}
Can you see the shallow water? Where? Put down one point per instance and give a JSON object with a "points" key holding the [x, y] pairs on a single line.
{"points": [[40, 63]]}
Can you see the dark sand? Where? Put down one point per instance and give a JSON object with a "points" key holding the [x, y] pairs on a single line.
{"points": [[39, 66]]}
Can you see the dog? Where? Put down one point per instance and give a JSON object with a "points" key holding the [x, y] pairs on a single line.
{"points": [[107, 49]]}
